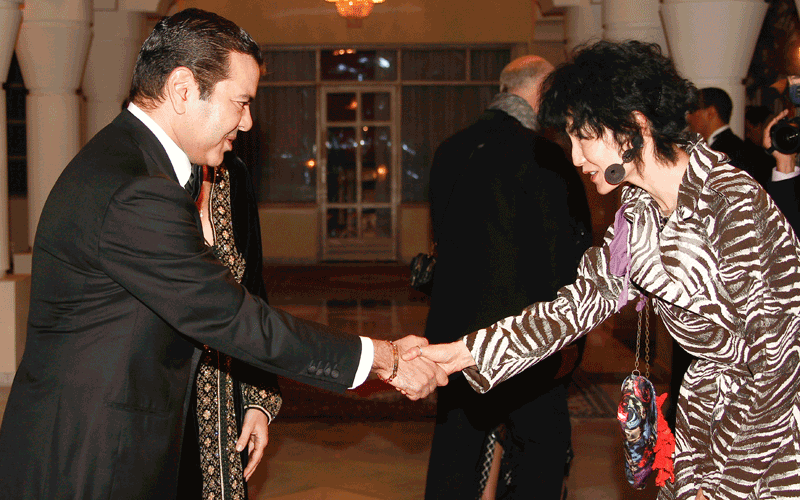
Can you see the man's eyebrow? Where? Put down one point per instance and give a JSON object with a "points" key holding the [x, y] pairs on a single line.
{"points": [[246, 97]]}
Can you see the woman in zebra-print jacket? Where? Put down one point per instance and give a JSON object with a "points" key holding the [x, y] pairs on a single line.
{"points": [[709, 248]]}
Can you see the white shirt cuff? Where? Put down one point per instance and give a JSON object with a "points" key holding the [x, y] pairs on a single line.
{"points": [[783, 176], [365, 364]]}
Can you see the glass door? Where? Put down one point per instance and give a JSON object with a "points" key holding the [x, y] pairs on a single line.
{"points": [[357, 191]]}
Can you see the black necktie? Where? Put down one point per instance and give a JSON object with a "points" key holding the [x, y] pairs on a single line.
{"points": [[192, 186]]}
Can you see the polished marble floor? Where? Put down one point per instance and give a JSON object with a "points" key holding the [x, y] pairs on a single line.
{"points": [[309, 459]]}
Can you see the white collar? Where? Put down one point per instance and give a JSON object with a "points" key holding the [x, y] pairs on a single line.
{"points": [[179, 159], [716, 133]]}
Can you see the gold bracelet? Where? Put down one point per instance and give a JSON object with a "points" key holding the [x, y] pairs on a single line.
{"points": [[396, 356]]}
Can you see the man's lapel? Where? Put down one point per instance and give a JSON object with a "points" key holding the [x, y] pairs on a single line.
{"points": [[155, 155]]}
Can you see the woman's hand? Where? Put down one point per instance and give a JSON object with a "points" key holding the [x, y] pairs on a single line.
{"points": [[450, 357], [255, 435]]}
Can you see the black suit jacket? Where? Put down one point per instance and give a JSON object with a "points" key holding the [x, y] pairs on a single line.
{"points": [[511, 221], [124, 292], [745, 156], [786, 195]]}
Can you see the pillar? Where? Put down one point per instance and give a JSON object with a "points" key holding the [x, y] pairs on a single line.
{"points": [[112, 56], [707, 51], [13, 288], [633, 20], [52, 50], [9, 27], [582, 24]]}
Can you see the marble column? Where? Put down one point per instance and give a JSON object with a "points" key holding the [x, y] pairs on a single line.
{"points": [[14, 289], [582, 23], [10, 17], [112, 56], [707, 51], [633, 20], [52, 49]]}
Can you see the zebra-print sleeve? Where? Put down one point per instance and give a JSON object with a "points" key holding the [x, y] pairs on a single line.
{"points": [[515, 343]]}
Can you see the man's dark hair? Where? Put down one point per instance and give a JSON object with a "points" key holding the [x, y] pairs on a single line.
{"points": [[713, 96], [198, 40], [606, 82]]}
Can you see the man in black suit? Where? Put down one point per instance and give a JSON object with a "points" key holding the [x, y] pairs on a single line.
{"points": [[711, 120], [784, 186], [511, 220], [125, 293]]}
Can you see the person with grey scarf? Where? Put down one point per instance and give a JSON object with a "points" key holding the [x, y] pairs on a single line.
{"points": [[511, 220]]}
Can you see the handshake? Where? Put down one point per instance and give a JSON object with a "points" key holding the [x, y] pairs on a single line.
{"points": [[414, 367]]}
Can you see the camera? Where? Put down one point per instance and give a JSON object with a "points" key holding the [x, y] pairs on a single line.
{"points": [[785, 135]]}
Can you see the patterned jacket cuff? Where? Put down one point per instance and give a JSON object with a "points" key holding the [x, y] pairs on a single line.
{"points": [[264, 410]]}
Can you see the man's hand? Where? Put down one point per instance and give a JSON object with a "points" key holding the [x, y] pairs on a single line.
{"points": [[255, 432], [451, 358], [784, 163], [415, 378]]}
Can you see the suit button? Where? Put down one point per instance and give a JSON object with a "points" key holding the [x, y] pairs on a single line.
{"points": [[312, 368], [334, 373]]}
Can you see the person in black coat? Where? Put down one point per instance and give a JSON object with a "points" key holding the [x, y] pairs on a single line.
{"points": [[125, 293], [711, 120], [510, 220]]}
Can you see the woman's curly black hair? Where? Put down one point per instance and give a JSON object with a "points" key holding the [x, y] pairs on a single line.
{"points": [[606, 82]]}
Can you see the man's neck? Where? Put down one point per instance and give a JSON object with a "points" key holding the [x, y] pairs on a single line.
{"points": [[151, 119]]}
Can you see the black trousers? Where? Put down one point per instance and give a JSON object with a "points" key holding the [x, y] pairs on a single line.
{"points": [[538, 437], [190, 478]]}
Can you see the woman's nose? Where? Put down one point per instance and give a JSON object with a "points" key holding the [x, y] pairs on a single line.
{"points": [[577, 155]]}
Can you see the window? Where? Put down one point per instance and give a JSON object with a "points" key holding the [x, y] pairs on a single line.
{"points": [[441, 90]]}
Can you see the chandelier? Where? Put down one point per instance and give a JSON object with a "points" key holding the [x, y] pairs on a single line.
{"points": [[354, 10]]}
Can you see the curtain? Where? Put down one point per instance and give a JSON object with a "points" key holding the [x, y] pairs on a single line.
{"points": [[281, 146], [441, 65], [430, 115]]}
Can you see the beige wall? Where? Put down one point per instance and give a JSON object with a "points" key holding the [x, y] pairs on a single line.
{"points": [[14, 295], [415, 232], [18, 222], [311, 22], [290, 233]]}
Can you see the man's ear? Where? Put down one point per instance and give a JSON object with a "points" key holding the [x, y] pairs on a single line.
{"points": [[713, 113], [179, 88]]}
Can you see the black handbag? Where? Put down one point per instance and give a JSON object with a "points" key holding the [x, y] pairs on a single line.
{"points": [[422, 267]]}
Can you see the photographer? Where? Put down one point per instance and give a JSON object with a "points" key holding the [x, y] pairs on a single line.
{"points": [[784, 187]]}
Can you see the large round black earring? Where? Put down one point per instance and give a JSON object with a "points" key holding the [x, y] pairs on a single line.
{"points": [[614, 174]]}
